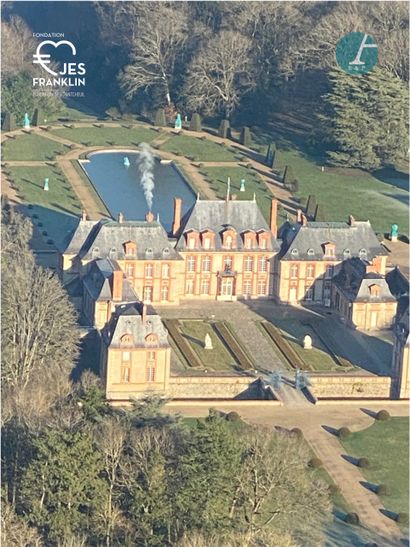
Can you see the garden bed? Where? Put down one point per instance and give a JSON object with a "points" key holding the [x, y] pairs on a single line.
{"points": [[241, 357], [285, 348]]}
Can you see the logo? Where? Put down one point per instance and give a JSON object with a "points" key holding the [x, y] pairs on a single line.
{"points": [[70, 72], [356, 53]]}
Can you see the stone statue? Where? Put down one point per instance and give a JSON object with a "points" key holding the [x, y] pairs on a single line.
{"points": [[242, 188], [307, 342], [178, 122], [208, 342], [45, 187], [126, 161], [26, 121], [394, 232]]}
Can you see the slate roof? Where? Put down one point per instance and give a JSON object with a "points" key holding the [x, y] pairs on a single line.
{"points": [[398, 283], [355, 283], [106, 238], [128, 320], [217, 215], [306, 242], [98, 281]]}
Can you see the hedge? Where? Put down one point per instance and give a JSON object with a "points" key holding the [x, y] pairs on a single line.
{"points": [[188, 353], [233, 345], [285, 348]]}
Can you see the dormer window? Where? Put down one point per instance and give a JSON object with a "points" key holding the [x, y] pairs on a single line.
{"points": [[329, 249], [191, 239], [207, 239], [95, 252], [311, 252], [346, 253], [126, 340], [229, 239], [113, 253], [148, 252], [263, 240], [249, 240], [151, 339], [165, 251], [130, 248], [294, 252], [363, 253], [374, 290]]}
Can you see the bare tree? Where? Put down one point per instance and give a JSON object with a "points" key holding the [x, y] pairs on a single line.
{"points": [[15, 532], [220, 74], [275, 491], [156, 50], [17, 47]]}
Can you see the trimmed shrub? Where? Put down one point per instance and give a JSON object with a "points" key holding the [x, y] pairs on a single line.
{"points": [[320, 215], [363, 462], [315, 463], [35, 120], [383, 416], [334, 488], [160, 120], [288, 176], [297, 432], [195, 124], [113, 112], [233, 416], [352, 518], [403, 518], [246, 138], [343, 432], [270, 154], [224, 130], [383, 490], [9, 122], [311, 206]]}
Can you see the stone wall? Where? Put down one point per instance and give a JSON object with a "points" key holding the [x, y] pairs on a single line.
{"points": [[214, 387], [350, 386]]}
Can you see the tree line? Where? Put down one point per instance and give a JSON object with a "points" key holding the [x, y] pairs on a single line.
{"points": [[78, 472]]}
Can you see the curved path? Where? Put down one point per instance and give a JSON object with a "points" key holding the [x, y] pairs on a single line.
{"points": [[315, 422]]}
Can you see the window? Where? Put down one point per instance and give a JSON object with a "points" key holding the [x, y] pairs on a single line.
{"points": [[309, 294], [205, 286], [130, 248], [125, 374], [147, 294], [262, 264], [346, 253], [151, 339], [228, 241], [310, 252], [191, 262], [125, 356], [228, 263], [262, 243], [95, 252], [126, 340], [164, 292], [113, 253], [207, 243], [151, 361], [149, 270], [294, 252], [248, 242], [189, 287], [310, 270], [363, 253], [329, 271], [247, 287], [165, 270], [191, 242], [374, 290], [294, 270], [129, 270], [248, 264], [206, 264], [261, 287]]}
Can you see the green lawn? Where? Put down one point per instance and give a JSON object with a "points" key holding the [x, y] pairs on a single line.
{"points": [[218, 177], [352, 191], [30, 147], [386, 445], [110, 136], [29, 182], [198, 150], [219, 357]]}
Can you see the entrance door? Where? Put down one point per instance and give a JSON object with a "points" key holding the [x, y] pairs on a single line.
{"points": [[293, 294], [373, 319], [227, 286]]}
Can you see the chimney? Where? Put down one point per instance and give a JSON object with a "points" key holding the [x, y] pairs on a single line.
{"points": [[117, 277], [177, 215], [304, 220], [274, 217], [149, 217], [120, 218], [83, 215], [299, 216], [143, 313], [351, 220]]}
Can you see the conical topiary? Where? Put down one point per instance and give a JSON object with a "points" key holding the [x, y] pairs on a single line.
{"points": [[35, 119], [311, 206], [195, 123], [270, 154], [160, 120], [320, 214], [224, 129], [246, 138]]}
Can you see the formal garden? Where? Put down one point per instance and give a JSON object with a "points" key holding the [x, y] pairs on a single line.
{"points": [[382, 453]]}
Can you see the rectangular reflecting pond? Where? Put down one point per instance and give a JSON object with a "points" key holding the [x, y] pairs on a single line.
{"points": [[119, 187]]}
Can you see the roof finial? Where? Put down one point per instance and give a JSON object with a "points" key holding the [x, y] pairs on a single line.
{"points": [[197, 196], [228, 189], [254, 197]]}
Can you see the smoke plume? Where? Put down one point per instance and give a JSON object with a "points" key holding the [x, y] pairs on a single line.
{"points": [[145, 164]]}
